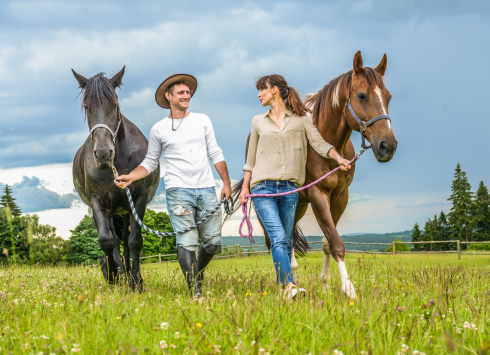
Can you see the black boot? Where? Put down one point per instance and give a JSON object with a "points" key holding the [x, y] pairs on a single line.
{"points": [[188, 264], [203, 259]]}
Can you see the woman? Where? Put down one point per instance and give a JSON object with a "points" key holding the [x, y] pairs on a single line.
{"points": [[276, 163]]}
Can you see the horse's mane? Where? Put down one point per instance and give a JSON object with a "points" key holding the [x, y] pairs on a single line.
{"points": [[97, 88], [330, 94]]}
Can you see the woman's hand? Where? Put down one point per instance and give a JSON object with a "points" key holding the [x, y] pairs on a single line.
{"points": [[245, 191], [343, 163], [123, 180]]}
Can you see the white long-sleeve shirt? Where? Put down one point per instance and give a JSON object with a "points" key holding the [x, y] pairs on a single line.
{"points": [[186, 150]]}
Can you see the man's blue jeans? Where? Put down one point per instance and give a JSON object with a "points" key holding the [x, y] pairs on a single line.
{"points": [[186, 207], [277, 216]]}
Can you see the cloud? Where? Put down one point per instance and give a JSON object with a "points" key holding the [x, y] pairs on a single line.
{"points": [[32, 196]]}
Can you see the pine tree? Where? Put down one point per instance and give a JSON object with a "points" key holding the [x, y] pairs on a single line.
{"points": [[416, 236], [460, 215], [436, 234], [8, 200], [427, 235], [444, 231], [481, 213]]}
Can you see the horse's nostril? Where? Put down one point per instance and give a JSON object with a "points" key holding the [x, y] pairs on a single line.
{"points": [[383, 147]]}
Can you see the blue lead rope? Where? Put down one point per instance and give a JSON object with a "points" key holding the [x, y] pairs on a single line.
{"points": [[228, 209]]}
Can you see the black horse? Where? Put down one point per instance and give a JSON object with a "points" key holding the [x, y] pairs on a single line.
{"points": [[113, 141]]}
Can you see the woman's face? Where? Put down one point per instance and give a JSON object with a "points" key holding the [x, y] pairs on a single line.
{"points": [[265, 95]]}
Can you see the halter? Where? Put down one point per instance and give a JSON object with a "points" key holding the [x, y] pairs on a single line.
{"points": [[364, 125], [101, 125]]}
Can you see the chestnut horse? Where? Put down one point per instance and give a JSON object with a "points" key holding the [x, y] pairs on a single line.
{"points": [[369, 98]]}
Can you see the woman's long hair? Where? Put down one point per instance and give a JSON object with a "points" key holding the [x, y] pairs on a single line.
{"points": [[289, 94]]}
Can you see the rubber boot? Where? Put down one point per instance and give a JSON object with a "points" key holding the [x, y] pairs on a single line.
{"points": [[188, 264], [203, 259]]}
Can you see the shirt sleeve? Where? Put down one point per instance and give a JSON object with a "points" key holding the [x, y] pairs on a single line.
{"points": [[252, 149], [150, 162], [315, 139], [215, 153]]}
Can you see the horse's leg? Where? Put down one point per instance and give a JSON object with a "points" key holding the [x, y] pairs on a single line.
{"points": [[107, 242], [320, 203], [126, 252], [300, 212], [117, 244], [135, 243]]}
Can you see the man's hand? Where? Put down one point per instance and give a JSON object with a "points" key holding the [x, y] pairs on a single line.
{"points": [[123, 180], [226, 192]]}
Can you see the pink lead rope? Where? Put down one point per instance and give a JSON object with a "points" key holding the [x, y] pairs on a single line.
{"points": [[245, 218]]}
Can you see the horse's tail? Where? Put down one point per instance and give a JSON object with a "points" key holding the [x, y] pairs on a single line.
{"points": [[118, 225], [235, 193], [300, 244]]}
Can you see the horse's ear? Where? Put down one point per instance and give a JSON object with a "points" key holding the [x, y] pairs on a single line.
{"points": [[381, 68], [82, 81], [116, 80], [357, 62]]}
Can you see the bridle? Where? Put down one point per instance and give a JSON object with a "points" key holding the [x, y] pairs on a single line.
{"points": [[101, 125], [364, 125]]}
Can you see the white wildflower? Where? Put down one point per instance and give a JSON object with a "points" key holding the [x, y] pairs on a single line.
{"points": [[164, 325], [163, 344]]}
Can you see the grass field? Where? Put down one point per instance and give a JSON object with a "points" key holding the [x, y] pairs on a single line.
{"points": [[433, 304]]}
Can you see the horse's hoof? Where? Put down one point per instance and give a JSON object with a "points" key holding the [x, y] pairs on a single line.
{"points": [[348, 289]]}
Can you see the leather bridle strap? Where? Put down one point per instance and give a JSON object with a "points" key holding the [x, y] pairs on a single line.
{"points": [[364, 125], [101, 125]]}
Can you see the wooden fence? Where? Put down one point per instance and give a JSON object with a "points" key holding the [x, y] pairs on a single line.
{"points": [[240, 253]]}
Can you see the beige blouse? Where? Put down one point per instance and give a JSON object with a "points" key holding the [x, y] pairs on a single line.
{"points": [[281, 155]]}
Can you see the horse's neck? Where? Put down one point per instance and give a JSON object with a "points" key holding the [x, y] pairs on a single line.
{"points": [[333, 126]]}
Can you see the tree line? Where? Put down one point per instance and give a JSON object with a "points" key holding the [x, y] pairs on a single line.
{"points": [[24, 240], [468, 219]]}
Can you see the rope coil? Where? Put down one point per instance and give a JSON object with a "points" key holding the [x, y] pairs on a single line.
{"points": [[246, 220], [226, 203]]}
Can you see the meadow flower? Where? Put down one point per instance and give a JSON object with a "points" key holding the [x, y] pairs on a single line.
{"points": [[16, 301], [177, 335], [163, 344], [364, 352], [432, 302], [44, 337], [76, 348], [405, 348], [458, 330], [164, 325], [253, 343], [26, 345], [399, 309], [351, 303], [199, 325], [262, 351], [338, 352], [172, 346]]}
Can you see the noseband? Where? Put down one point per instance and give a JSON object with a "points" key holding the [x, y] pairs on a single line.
{"points": [[101, 125], [364, 125]]}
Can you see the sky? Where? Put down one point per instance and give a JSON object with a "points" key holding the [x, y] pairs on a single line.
{"points": [[437, 72]]}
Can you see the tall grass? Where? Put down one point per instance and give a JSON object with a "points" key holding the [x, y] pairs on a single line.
{"points": [[418, 303]]}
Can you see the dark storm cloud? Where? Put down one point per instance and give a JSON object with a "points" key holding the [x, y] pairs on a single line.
{"points": [[33, 197]]}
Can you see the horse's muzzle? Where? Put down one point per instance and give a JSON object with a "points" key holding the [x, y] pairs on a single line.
{"points": [[384, 151], [104, 158]]}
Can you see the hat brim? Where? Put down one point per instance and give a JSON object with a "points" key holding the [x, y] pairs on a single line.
{"points": [[172, 79]]}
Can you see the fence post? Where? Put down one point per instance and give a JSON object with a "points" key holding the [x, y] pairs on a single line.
{"points": [[394, 251], [160, 258], [238, 247], [459, 250]]}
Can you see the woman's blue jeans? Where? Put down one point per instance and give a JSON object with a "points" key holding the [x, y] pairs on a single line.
{"points": [[277, 216]]}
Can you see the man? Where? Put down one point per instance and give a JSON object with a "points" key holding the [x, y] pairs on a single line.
{"points": [[186, 140]]}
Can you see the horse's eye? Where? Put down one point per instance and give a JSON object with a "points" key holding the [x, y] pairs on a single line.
{"points": [[362, 97]]}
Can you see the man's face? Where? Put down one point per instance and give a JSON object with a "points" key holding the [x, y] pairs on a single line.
{"points": [[180, 97]]}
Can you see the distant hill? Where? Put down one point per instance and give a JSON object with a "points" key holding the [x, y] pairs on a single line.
{"points": [[404, 236]]}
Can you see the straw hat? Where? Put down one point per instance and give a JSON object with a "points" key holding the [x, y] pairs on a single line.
{"points": [[172, 79]]}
